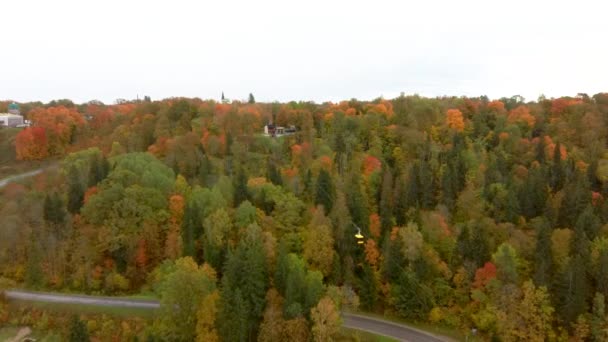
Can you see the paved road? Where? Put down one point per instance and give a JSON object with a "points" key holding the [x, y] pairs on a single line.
{"points": [[79, 299], [398, 331], [353, 321], [7, 180]]}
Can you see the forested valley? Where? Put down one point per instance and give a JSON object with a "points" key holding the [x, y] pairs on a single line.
{"points": [[475, 213]]}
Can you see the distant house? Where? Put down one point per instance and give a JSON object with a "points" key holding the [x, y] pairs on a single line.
{"points": [[13, 118], [277, 131]]}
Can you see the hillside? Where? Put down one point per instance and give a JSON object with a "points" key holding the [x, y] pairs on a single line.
{"points": [[457, 212]]}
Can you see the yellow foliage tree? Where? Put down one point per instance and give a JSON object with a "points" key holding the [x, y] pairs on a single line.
{"points": [[326, 320], [206, 315]]}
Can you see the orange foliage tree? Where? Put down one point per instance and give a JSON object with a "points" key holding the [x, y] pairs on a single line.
{"points": [[173, 245], [455, 120], [522, 114], [496, 106], [60, 124]]}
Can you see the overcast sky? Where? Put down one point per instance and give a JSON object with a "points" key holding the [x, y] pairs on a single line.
{"points": [[300, 50]]}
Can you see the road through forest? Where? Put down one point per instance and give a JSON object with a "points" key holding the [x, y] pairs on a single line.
{"points": [[354, 321]]}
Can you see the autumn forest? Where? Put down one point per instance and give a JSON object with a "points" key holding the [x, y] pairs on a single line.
{"points": [[475, 213]]}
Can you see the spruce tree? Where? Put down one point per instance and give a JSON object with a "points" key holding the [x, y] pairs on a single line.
{"points": [[325, 191], [427, 185], [386, 202], [601, 273], [556, 179], [78, 330], [240, 188], [187, 231], [33, 269], [244, 287], [576, 198], [573, 289], [543, 259], [540, 150], [75, 191], [357, 205], [368, 290], [272, 173]]}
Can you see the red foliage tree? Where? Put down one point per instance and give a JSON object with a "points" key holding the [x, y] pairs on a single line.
{"points": [[484, 274], [32, 143]]}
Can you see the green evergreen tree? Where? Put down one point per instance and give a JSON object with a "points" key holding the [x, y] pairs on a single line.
{"points": [[533, 194], [53, 210], [357, 203], [188, 228], [601, 273], [427, 185], [513, 209], [589, 223], [273, 173], [573, 289], [385, 207], [411, 298], [251, 99], [577, 197], [540, 150], [413, 189], [75, 191], [594, 181], [78, 330], [244, 287], [314, 290], [325, 191], [295, 286], [556, 179], [401, 205], [543, 260], [241, 193], [599, 320], [449, 186], [479, 249], [368, 290], [33, 267], [233, 316]]}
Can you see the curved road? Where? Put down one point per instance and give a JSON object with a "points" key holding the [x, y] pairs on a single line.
{"points": [[7, 180], [377, 326]]}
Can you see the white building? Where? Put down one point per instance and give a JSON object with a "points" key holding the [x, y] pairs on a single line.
{"points": [[11, 120]]}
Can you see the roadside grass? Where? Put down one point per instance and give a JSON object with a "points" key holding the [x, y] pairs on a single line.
{"points": [[430, 328], [7, 333], [348, 334], [84, 308]]}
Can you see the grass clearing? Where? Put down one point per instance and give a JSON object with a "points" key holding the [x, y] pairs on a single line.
{"points": [[7, 333], [85, 309], [348, 334]]}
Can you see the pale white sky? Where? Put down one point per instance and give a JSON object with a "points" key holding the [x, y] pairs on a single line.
{"points": [[300, 50]]}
